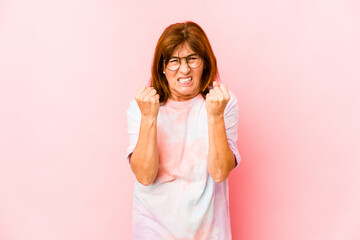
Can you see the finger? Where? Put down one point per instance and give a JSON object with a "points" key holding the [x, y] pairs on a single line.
{"points": [[140, 90], [218, 91], [151, 93], [207, 96], [215, 98], [216, 94], [216, 84], [211, 97], [225, 90], [146, 92], [143, 94], [151, 96], [154, 99]]}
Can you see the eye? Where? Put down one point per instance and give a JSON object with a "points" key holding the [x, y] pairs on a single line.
{"points": [[173, 60], [193, 57]]}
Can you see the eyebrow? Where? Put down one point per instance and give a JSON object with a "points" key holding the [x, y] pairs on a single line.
{"points": [[186, 56]]}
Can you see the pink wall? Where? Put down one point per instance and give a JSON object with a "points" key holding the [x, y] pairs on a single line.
{"points": [[68, 70]]}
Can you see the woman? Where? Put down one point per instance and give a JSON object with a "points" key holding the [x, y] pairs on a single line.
{"points": [[183, 132]]}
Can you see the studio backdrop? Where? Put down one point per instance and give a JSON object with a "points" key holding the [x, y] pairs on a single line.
{"points": [[68, 70]]}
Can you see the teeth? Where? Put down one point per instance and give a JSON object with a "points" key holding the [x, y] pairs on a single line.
{"points": [[185, 80]]}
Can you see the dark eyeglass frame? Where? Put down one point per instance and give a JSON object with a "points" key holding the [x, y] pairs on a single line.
{"points": [[187, 61]]}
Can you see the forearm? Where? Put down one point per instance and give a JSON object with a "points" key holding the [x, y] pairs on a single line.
{"points": [[144, 160], [221, 159]]}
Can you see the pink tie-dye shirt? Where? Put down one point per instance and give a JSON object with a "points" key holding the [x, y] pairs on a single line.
{"points": [[183, 202]]}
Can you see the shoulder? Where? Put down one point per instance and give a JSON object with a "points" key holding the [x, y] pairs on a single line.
{"points": [[232, 97]]}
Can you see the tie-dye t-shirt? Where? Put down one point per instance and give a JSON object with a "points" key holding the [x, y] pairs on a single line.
{"points": [[183, 202]]}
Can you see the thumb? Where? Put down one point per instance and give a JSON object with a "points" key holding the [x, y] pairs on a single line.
{"points": [[216, 84]]}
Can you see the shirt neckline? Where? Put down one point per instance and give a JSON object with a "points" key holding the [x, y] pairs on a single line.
{"points": [[180, 104]]}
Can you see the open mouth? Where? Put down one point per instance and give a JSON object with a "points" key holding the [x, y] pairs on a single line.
{"points": [[185, 81]]}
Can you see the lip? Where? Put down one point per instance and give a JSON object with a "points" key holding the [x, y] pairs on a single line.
{"points": [[187, 84], [184, 77]]}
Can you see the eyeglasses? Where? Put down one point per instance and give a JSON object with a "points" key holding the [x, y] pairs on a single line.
{"points": [[193, 61]]}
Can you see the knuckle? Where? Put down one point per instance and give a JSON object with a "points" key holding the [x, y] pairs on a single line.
{"points": [[154, 100], [141, 88]]}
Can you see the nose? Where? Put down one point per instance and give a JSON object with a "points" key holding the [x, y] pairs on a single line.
{"points": [[184, 67]]}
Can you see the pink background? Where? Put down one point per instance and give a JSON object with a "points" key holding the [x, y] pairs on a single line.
{"points": [[68, 70]]}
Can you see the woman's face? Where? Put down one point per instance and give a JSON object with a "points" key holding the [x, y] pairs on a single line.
{"points": [[184, 83]]}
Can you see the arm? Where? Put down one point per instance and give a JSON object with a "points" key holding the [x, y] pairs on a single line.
{"points": [[221, 159], [144, 160]]}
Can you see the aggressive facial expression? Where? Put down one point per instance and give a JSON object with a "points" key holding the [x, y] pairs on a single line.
{"points": [[184, 83]]}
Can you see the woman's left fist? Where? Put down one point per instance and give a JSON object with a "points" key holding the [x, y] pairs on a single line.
{"points": [[216, 99]]}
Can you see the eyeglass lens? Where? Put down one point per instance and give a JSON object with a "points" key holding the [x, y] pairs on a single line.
{"points": [[193, 61]]}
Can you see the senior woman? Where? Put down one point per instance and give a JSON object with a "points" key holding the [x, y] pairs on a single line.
{"points": [[183, 132]]}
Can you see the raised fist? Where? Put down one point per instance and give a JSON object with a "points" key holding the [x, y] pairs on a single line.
{"points": [[148, 101], [216, 99]]}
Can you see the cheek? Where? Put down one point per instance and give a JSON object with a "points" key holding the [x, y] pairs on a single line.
{"points": [[199, 74], [170, 77], [172, 80]]}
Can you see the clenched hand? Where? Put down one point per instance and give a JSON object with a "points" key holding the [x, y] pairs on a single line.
{"points": [[148, 102], [216, 100]]}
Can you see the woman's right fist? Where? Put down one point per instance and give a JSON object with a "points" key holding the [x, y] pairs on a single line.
{"points": [[148, 101]]}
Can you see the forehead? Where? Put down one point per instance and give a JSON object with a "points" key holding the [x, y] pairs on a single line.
{"points": [[182, 50]]}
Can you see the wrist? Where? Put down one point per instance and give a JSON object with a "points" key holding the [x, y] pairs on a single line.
{"points": [[148, 119], [215, 117]]}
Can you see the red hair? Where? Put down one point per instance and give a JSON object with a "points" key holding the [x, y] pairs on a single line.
{"points": [[173, 36]]}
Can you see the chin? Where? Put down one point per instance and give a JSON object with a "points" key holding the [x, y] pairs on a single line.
{"points": [[190, 94]]}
